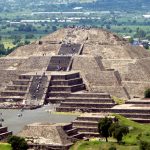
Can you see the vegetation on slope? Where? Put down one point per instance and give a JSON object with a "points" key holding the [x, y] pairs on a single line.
{"points": [[138, 132]]}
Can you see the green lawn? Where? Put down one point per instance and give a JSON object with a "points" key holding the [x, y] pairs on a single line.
{"points": [[5, 146], [97, 145]]}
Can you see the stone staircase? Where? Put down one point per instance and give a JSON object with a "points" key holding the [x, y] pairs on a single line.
{"points": [[62, 85], [59, 63], [67, 49], [138, 114], [86, 102], [38, 88], [72, 132], [17, 90], [4, 133]]}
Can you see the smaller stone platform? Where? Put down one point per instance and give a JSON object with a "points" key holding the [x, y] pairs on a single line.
{"points": [[49, 136]]}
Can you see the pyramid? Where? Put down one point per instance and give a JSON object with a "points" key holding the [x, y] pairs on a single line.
{"points": [[106, 61]]}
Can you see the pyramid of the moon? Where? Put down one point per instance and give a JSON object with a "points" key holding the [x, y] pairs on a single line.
{"points": [[106, 62]]}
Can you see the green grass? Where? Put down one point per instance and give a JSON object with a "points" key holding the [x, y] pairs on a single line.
{"points": [[5, 146], [98, 145]]}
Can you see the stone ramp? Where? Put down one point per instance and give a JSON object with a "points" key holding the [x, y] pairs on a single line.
{"points": [[59, 63]]}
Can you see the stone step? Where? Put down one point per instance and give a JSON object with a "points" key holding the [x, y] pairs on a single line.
{"points": [[73, 88], [13, 93], [136, 115], [5, 135], [67, 127], [3, 129], [65, 77], [87, 105], [88, 123], [141, 120], [87, 129], [138, 102], [21, 82], [131, 111], [85, 100], [90, 134], [82, 109], [93, 119], [67, 82], [55, 99], [17, 87], [14, 98], [77, 136], [96, 95], [58, 94], [89, 99], [103, 110], [24, 77], [72, 131]]}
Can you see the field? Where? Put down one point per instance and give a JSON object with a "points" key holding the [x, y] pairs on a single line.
{"points": [[138, 132]]}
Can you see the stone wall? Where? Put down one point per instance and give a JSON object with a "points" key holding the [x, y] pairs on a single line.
{"points": [[8, 75], [35, 63], [11, 64], [117, 91]]}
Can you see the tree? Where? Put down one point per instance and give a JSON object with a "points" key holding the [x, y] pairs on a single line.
{"points": [[118, 131], [103, 127], [17, 143]]}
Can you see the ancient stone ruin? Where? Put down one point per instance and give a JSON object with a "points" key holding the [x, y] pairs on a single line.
{"points": [[80, 69]]}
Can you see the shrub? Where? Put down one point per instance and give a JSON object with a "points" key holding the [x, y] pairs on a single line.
{"points": [[144, 145], [112, 148], [147, 93], [17, 143]]}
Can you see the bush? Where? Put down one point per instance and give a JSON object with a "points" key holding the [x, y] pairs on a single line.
{"points": [[17, 143], [144, 145], [112, 148], [147, 93]]}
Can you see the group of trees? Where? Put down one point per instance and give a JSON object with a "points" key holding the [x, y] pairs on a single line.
{"points": [[107, 128]]}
